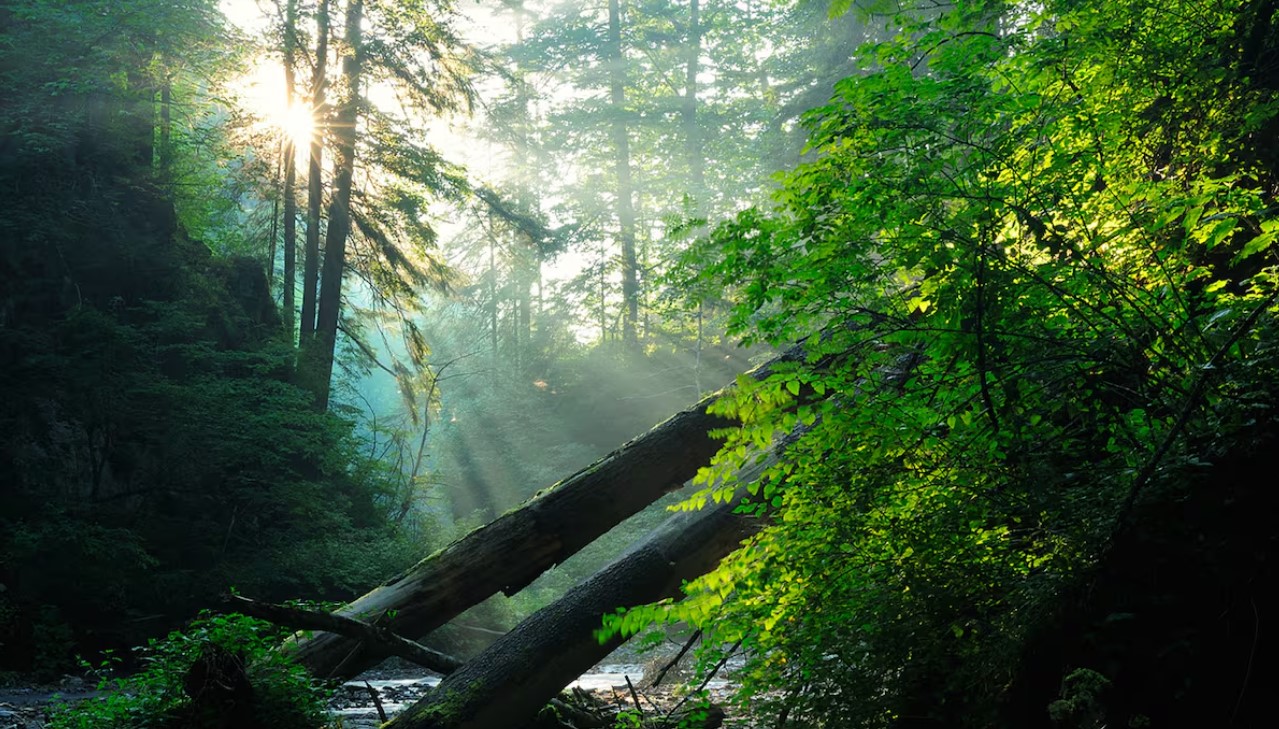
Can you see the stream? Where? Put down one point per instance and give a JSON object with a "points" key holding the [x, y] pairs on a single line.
{"points": [[354, 704], [25, 707]]}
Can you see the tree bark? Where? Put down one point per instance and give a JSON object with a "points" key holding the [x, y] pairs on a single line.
{"points": [[391, 643], [166, 130], [621, 148], [290, 170], [510, 552], [289, 277], [314, 184], [514, 677], [319, 362], [688, 111]]}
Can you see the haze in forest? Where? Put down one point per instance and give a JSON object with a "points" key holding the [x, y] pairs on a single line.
{"points": [[478, 461], [912, 361]]}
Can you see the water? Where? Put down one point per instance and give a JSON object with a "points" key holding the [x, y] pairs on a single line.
{"points": [[397, 694]]}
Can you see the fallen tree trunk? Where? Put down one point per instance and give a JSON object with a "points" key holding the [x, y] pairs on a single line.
{"points": [[386, 641], [506, 684], [510, 552]]}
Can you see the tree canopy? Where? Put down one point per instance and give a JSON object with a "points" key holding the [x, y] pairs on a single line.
{"points": [[1028, 249], [1032, 250]]}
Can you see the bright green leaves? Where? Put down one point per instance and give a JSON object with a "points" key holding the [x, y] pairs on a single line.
{"points": [[284, 694], [1261, 242], [1023, 235]]}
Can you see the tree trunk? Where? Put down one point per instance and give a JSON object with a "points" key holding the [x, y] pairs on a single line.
{"points": [[319, 362], [135, 110], [492, 286], [510, 552], [516, 676], [621, 148], [166, 130], [289, 279], [290, 171], [303, 619], [314, 185], [692, 134], [274, 237], [525, 268]]}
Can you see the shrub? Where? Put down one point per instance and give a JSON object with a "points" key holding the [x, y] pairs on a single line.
{"points": [[283, 695]]}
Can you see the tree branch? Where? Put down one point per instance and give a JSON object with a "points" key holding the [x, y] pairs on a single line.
{"points": [[383, 639]]}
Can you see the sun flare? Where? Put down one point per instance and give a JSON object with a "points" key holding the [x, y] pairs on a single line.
{"points": [[262, 94], [298, 123]]}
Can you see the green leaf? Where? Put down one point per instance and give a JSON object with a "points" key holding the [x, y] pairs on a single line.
{"points": [[1259, 243], [1220, 230]]}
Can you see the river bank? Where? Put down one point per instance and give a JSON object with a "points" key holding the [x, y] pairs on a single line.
{"points": [[616, 687]]}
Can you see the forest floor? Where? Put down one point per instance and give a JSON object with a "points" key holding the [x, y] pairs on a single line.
{"points": [[606, 690], [27, 706]]}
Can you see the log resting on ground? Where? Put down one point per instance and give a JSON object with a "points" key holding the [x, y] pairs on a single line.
{"points": [[506, 684], [510, 552]]}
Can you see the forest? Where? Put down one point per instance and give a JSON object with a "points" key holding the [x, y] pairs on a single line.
{"points": [[898, 363]]}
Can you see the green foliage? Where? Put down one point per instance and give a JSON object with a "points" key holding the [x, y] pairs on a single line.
{"points": [[167, 465], [186, 451], [155, 449], [284, 695], [697, 151], [1031, 255], [1081, 698], [628, 719]]}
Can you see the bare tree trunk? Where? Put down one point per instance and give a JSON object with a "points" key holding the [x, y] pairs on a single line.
{"points": [[522, 671], [525, 270], [166, 130], [290, 170], [319, 363], [274, 237], [314, 185], [289, 278], [622, 150], [510, 552], [492, 286], [302, 619], [692, 134]]}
